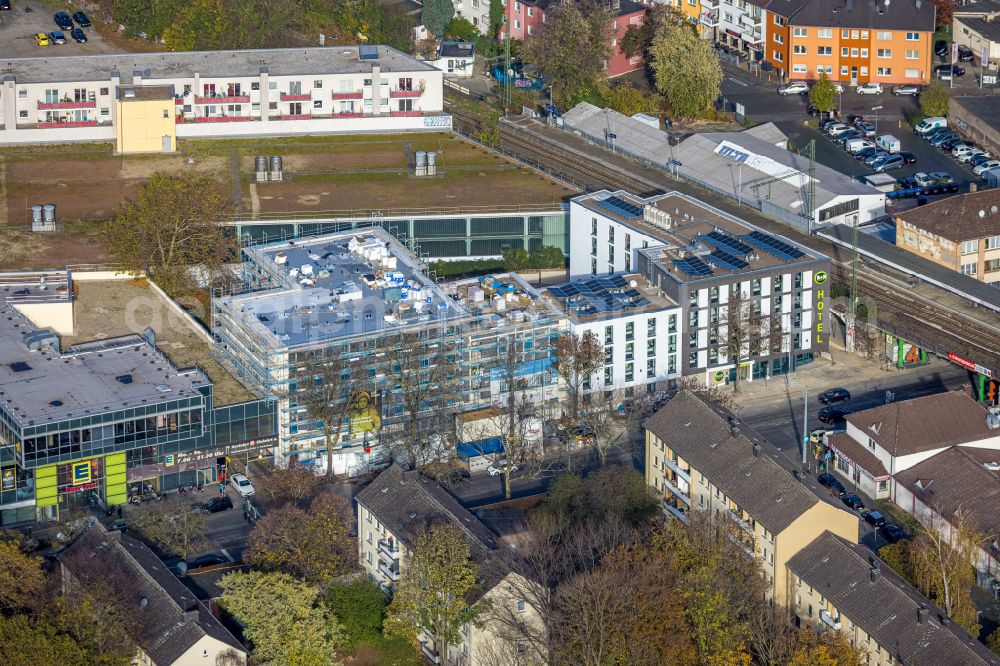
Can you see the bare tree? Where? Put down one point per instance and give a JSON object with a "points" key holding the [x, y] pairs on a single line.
{"points": [[745, 330], [576, 358], [173, 528], [295, 484], [329, 396]]}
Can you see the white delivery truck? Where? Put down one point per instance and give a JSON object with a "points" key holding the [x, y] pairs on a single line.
{"points": [[888, 143], [928, 124], [854, 145]]}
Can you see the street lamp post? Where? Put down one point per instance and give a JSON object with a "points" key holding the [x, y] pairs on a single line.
{"points": [[876, 109]]}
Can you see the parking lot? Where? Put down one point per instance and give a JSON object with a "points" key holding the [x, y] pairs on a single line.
{"points": [[26, 18]]}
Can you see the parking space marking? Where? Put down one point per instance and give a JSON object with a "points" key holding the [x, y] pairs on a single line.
{"points": [[738, 82], [226, 555]]}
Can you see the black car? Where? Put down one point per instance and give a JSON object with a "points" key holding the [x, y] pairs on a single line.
{"points": [[831, 414], [941, 48], [949, 70], [833, 395], [906, 183], [853, 501], [812, 110], [908, 157], [933, 134], [63, 20], [979, 159], [831, 482], [854, 119], [826, 122], [844, 137], [964, 53], [865, 153], [79, 35], [208, 561], [874, 518], [893, 533], [950, 143], [82, 19], [218, 504], [5, 5]]}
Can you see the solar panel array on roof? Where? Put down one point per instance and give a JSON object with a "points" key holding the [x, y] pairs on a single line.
{"points": [[723, 259], [693, 266], [773, 246], [600, 294], [620, 206], [731, 245]]}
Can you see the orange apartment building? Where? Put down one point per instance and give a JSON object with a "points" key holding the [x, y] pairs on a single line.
{"points": [[852, 41]]}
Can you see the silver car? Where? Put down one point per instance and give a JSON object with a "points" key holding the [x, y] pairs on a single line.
{"points": [[907, 89]]}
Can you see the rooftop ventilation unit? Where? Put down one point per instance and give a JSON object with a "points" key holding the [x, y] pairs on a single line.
{"points": [[124, 379]]}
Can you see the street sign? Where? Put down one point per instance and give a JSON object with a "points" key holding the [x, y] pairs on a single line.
{"points": [[954, 53], [612, 135]]}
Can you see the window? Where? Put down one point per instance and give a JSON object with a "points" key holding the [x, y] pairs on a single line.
{"points": [[883, 53], [883, 36], [607, 376], [593, 226], [844, 51], [166, 113], [593, 265], [864, 71], [630, 331], [911, 73], [405, 104], [693, 359], [104, 91], [883, 71], [629, 351], [991, 265], [22, 94], [629, 372], [693, 340], [611, 234], [968, 269], [864, 53], [105, 111], [517, 24], [650, 328], [800, 68], [317, 104], [972, 246], [778, 39], [593, 247], [855, 34], [864, 34], [800, 32], [912, 54], [993, 242], [824, 50], [272, 85], [609, 335], [844, 34], [871, 443], [521, 606], [531, 11], [799, 49], [825, 33], [843, 70], [854, 53], [913, 36], [650, 347], [672, 324], [22, 114], [778, 56], [778, 20]]}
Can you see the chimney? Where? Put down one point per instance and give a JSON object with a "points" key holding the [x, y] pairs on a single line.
{"points": [[756, 450], [734, 431], [875, 572], [923, 611], [410, 476]]}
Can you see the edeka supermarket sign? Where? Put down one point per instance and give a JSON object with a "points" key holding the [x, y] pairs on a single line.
{"points": [[820, 279]]}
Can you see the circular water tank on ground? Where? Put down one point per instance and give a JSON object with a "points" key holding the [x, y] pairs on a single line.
{"points": [[431, 158], [276, 163], [421, 158], [36, 214], [49, 212], [260, 164]]}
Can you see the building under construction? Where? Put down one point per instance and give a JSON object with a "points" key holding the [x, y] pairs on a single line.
{"points": [[408, 351]]}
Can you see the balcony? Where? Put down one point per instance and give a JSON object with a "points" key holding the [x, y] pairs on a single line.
{"points": [[221, 119], [680, 471], [357, 94], [297, 116], [680, 514], [285, 97], [390, 572], [223, 99], [405, 114], [405, 93], [46, 106], [178, 101], [677, 492], [61, 125], [829, 620], [710, 4], [348, 114], [434, 657], [744, 525], [742, 544], [390, 550], [711, 19]]}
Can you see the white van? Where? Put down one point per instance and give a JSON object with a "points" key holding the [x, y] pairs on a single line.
{"points": [[928, 124], [854, 145], [888, 143]]}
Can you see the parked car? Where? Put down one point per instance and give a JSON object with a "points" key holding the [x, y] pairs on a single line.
{"points": [[56, 37], [893, 533], [986, 166], [849, 135], [908, 89], [812, 110], [41, 39], [217, 504], [826, 122], [831, 482], [865, 153], [908, 157], [793, 88], [63, 20], [906, 183], [962, 149], [889, 163], [834, 395], [945, 72], [207, 561], [950, 144], [965, 54], [5, 5], [941, 48], [889, 143], [854, 145], [496, 469], [929, 124], [942, 137], [867, 128], [932, 134], [923, 179], [853, 501], [242, 485], [837, 128], [941, 177], [973, 154], [81, 19], [874, 518], [831, 414], [876, 157], [870, 88], [817, 435], [79, 35]]}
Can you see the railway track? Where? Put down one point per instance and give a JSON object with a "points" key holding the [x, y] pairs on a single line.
{"points": [[915, 318]]}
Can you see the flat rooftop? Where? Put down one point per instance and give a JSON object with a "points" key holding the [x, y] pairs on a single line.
{"points": [[699, 241], [114, 308], [595, 298], [500, 299], [45, 385], [210, 64], [339, 286]]}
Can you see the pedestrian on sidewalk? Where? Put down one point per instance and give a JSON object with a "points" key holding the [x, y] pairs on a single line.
{"points": [[222, 488], [119, 511]]}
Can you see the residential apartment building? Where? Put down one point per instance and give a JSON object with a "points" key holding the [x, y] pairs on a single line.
{"points": [[174, 628], [638, 327], [699, 457], [392, 512], [961, 233], [362, 302], [851, 41], [879, 443], [738, 24], [146, 101], [699, 257], [836, 585], [92, 424]]}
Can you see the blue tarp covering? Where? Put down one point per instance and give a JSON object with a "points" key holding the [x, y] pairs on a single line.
{"points": [[483, 447]]}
